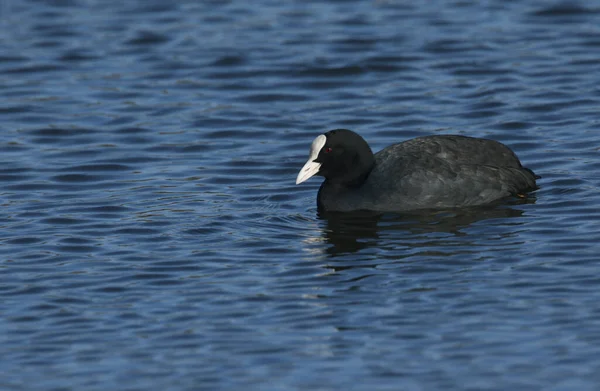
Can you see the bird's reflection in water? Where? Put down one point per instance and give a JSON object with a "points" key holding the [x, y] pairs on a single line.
{"points": [[352, 232]]}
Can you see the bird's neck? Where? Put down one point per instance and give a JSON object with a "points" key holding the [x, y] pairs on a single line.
{"points": [[352, 179]]}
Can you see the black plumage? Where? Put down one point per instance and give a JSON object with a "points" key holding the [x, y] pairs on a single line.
{"points": [[444, 171]]}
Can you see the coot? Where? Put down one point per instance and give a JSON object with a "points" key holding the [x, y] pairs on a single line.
{"points": [[431, 172]]}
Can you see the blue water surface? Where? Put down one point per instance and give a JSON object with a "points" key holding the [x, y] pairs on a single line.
{"points": [[152, 236]]}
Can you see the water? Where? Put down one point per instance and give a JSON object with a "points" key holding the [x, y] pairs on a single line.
{"points": [[152, 237]]}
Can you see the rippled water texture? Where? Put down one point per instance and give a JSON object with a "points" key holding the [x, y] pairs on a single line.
{"points": [[152, 236]]}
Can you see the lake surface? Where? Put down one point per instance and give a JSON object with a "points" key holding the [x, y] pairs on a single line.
{"points": [[152, 236]]}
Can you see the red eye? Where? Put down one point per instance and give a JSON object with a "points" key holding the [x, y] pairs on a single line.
{"points": [[328, 149]]}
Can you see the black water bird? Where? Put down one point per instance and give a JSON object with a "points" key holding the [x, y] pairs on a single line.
{"points": [[431, 172]]}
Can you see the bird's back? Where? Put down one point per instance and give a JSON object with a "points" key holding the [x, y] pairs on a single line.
{"points": [[455, 149]]}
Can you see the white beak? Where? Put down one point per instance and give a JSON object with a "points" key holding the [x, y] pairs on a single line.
{"points": [[311, 167]]}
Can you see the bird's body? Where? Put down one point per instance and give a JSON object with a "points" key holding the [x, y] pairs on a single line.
{"points": [[431, 172]]}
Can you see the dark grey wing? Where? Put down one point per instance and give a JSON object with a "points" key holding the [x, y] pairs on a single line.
{"points": [[461, 150], [484, 184], [426, 182]]}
